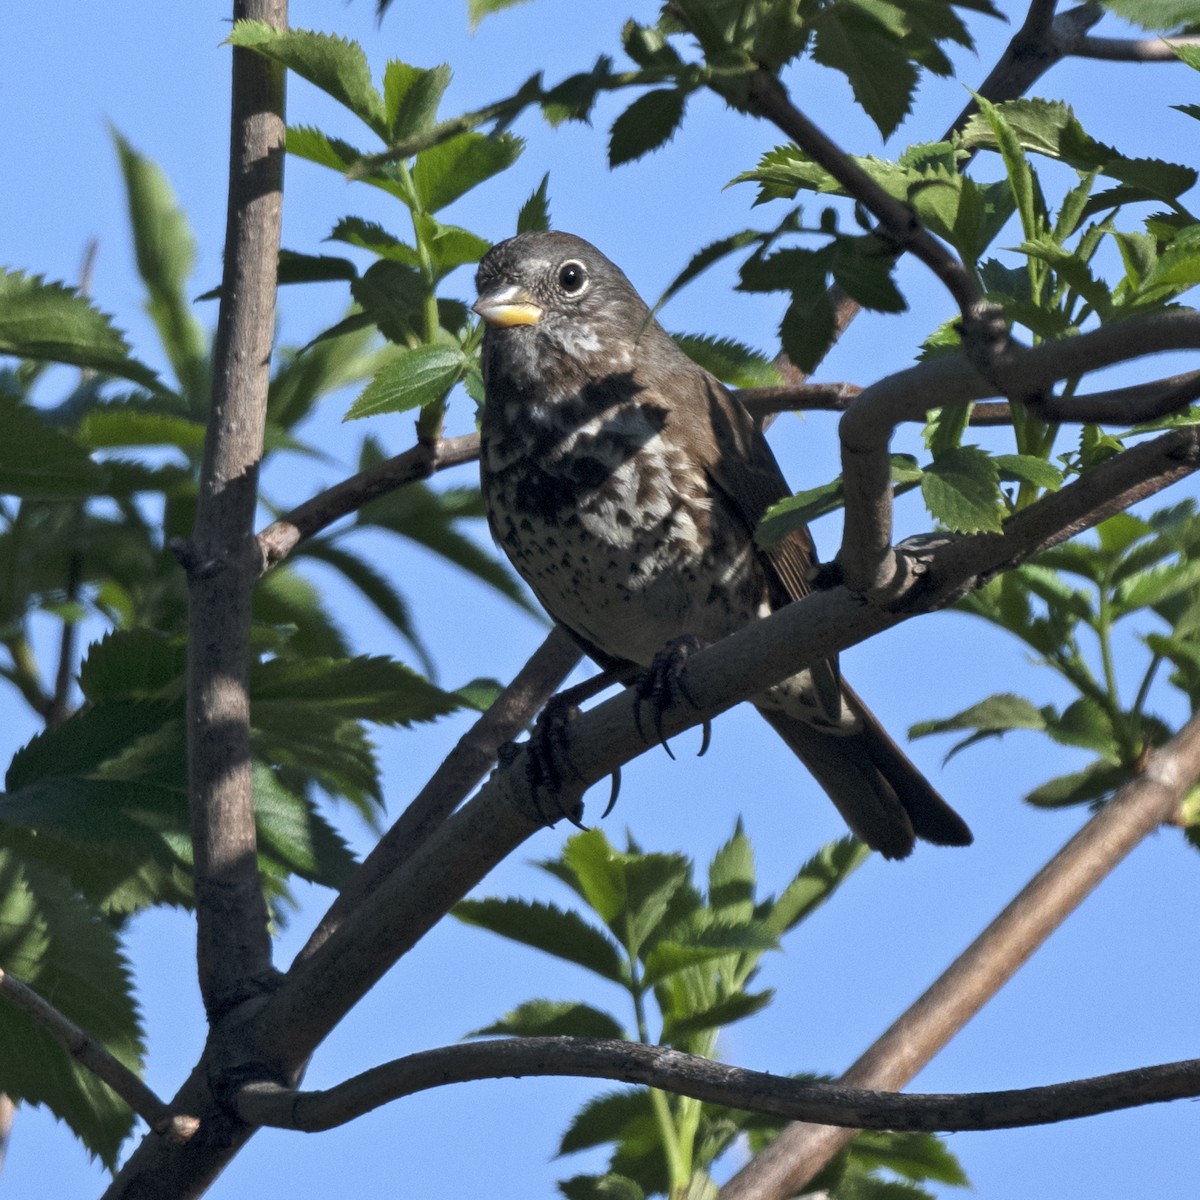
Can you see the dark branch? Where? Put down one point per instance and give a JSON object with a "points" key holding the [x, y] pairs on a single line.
{"points": [[90, 1054], [280, 538], [714, 1083]]}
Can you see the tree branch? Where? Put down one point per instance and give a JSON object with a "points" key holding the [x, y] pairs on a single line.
{"points": [[280, 538], [234, 947], [897, 223], [91, 1054], [1139, 808], [866, 558], [673, 1071], [763, 402], [1135, 50], [462, 769]]}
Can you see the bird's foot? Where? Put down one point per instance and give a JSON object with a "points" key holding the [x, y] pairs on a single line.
{"points": [[548, 762], [663, 681]]}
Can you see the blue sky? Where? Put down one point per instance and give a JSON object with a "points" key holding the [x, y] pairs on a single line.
{"points": [[1114, 989]]}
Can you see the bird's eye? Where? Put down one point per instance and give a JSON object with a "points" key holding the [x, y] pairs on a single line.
{"points": [[572, 276]]}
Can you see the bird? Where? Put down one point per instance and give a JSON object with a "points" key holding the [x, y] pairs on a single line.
{"points": [[624, 482]]}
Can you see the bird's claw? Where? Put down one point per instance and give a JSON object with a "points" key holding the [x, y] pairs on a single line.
{"points": [[665, 678]]}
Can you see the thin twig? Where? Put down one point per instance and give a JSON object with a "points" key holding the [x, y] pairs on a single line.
{"points": [[1139, 808], [90, 1054], [827, 1104], [281, 537], [762, 402], [1135, 50]]}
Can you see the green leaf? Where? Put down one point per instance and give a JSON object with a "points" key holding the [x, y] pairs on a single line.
{"points": [[961, 490], [366, 689], [916, 1156], [871, 58], [730, 361], [411, 96], [60, 947], [1084, 723], [731, 879], [997, 714], [54, 323], [705, 258], [375, 586], [133, 664], [595, 1187], [562, 933], [444, 172], [293, 609], [647, 124], [39, 461], [863, 267], [554, 1018], [615, 1116], [319, 147], [449, 246], [1026, 193], [814, 883], [1096, 782], [1148, 588], [314, 268], [478, 9], [1157, 15], [807, 329], [392, 295], [535, 212], [165, 248], [336, 65], [420, 376], [1026, 468], [724, 1012], [370, 235], [668, 956]]}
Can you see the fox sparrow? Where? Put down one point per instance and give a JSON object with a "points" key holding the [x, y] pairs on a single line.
{"points": [[625, 484]]}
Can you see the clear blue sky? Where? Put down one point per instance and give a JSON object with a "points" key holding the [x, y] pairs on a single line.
{"points": [[1114, 989]]}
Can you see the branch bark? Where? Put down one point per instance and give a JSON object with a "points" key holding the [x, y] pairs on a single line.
{"points": [[830, 1104], [91, 1054], [988, 963], [234, 947]]}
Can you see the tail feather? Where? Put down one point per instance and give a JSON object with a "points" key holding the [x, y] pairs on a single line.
{"points": [[881, 795]]}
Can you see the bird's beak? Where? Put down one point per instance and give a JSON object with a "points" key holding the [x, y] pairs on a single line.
{"points": [[511, 305]]}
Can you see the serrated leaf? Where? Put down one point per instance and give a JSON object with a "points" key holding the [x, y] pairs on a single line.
{"points": [[814, 883], [622, 1115], [961, 490], [165, 249], [1099, 780], [715, 942], [997, 714], [647, 124], [916, 1156], [560, 932], [1084, 723], [444, 172], [554, 1018], [375, 587], [60, 947], [478, 9], [1148, 588], [449, 246], [731, 878], [872, 59], [808, 329], [132, 664], [411, 96], [598, 1187], [730, 361], [336, 65], [316, 146], [370, 235], [364, 688], [705, 258], [724, 1012], [1158, 15], [1026, 468], [415, 378], [51, 322], [39, 461], [534, 214], [863, 268]]}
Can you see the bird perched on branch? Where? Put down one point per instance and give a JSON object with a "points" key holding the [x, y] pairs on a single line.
{"points": [[625, 483]]}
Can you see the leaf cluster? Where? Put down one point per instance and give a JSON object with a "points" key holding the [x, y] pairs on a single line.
{"points": [[684, 961]]}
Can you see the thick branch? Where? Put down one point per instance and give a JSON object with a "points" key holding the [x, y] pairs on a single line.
{"points": [[90, 1054], [714, 1083], [234, 948], [1139, 808], [1135, 50], [867, 561], [280, 538], [462, 769]]}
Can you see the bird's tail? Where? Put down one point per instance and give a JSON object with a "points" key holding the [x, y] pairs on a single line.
{"points": [[884, 799]]}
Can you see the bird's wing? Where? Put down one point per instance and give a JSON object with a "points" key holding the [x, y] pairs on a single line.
{"points": [[743, 472]]}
